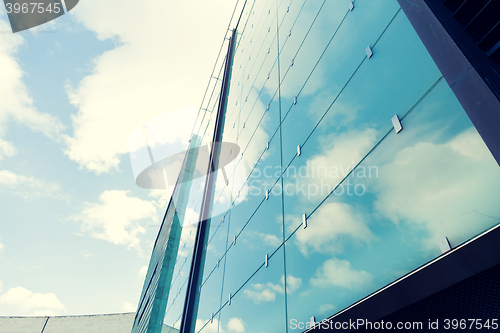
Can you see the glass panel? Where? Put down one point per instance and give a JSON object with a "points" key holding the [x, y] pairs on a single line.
{"points": [[435, 179], [343, 68], [210, 298], [396, 194], [258, 232], [177, 293]]}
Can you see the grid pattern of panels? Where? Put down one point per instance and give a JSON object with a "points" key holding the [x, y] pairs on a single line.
{"points": [[333, 204], [331, 190]]}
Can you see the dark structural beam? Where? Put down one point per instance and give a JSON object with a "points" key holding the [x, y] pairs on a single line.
{"points": [[190, 311]]}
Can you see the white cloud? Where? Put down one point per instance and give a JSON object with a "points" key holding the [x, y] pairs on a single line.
{"points": [[267, 292], [129, 307], [142, 273], [29, 187], [340, 153], [331, 228], [116, 218], [326, 308], [272, 240], [212, 327], [7, 149], [292, 283], [266, 239], [16, 104], [457, 182], [259, 295], [236, 325], [155, 67], [1, 286], [21, 301], [339, 273]]}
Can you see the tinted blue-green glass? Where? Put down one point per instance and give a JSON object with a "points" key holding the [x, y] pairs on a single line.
{"points": [[302, 77], [435, 179]]}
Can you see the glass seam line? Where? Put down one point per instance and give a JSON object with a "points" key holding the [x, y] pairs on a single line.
{"points": [[323, 53], [185, 260], [258, 72], [238, 234], [256, 209], [261, 45], [246, 22], [281, 166], [210, 107], [260, 123], [373, 148], [275, 59], [274, 63], [279, 51], [272, 42], [224, 268]]}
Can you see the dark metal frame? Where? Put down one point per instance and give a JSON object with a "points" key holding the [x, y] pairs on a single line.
{"points": [[190, 311]]}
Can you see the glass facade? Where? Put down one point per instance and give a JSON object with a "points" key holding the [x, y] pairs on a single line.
{"points": [[332, 204]]}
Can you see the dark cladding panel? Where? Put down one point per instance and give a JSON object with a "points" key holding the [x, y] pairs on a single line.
{"points": [[472, 76]]}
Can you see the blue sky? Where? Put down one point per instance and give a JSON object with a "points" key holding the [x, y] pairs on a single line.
{"points": [[75, 231]]}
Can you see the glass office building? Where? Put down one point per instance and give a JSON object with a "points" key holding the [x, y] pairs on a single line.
{"points": [[356, 167]]}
